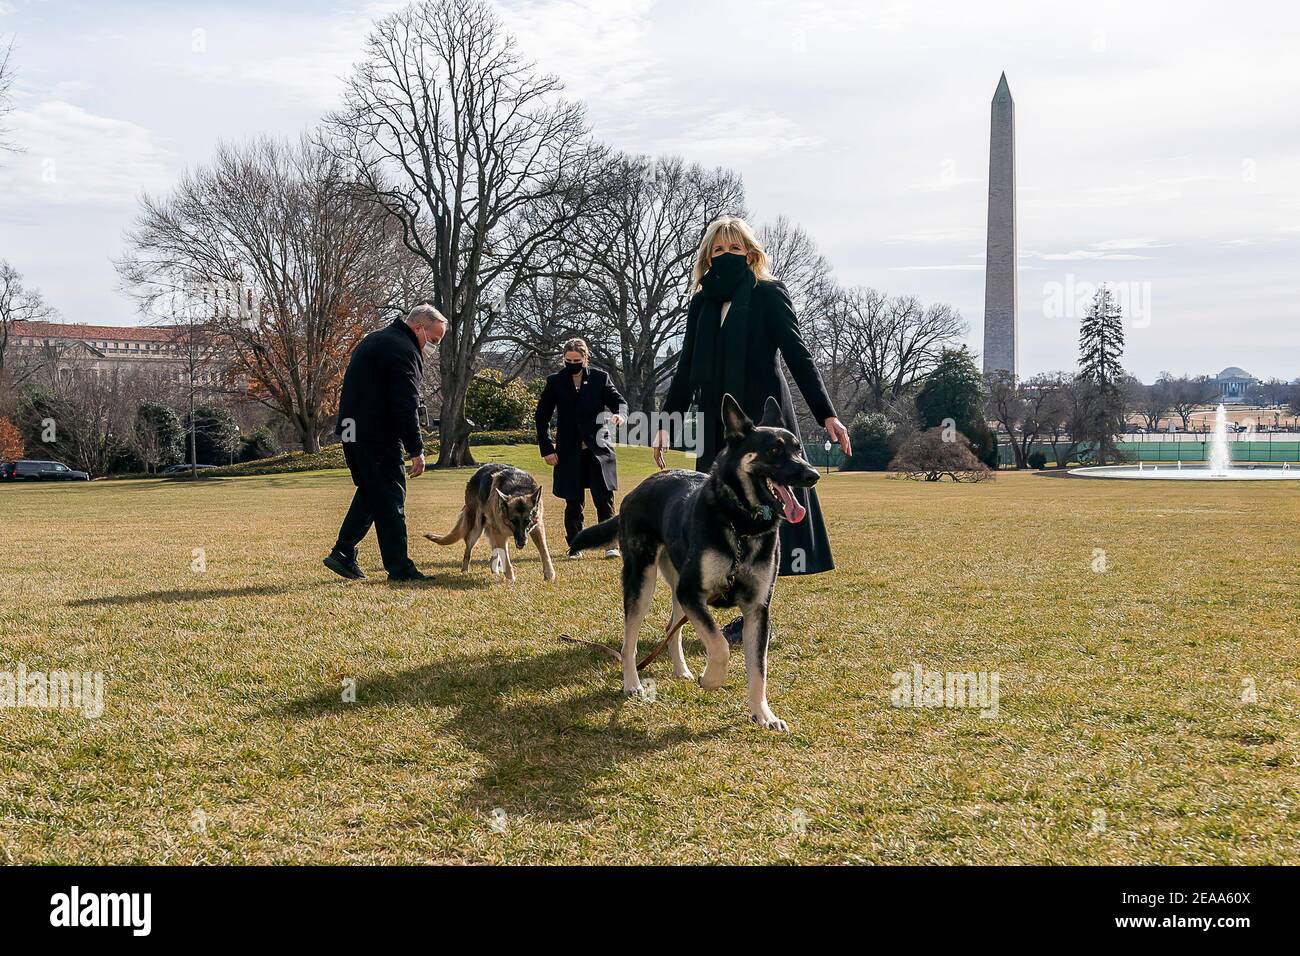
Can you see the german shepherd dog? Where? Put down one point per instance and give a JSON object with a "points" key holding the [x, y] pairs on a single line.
{"points": [[714, 537], [506, 502]]}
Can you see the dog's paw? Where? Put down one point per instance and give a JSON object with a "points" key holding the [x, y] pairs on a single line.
{"points": [[637, 692], [770, 721], [684, 674]]}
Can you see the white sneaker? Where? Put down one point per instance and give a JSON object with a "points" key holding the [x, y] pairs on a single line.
{"points": [[573, 556], [613, 553]]}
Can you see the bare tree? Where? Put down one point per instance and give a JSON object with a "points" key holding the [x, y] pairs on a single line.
{"points": [[1023, 410], [535, 321], [892, 342], [18, 304], [1151, 402], [286, 263], [797, 262], [477, 158], [1186, 394], [6, 97], [831, 338], [81, 413], [1061, 409], [627, 263]]}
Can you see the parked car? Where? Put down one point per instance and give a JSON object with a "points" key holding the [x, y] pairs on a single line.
{"points": [[184, 469], [31, 470]]}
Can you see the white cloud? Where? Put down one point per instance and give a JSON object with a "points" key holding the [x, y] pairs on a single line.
{"points": [[74, 156], [1110, 244]]}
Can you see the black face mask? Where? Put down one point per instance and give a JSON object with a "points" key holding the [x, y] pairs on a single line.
{"points": [[725, 273], [573, 368]]}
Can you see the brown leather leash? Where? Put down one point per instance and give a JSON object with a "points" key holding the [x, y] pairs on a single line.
{"points": [[618, 655]]}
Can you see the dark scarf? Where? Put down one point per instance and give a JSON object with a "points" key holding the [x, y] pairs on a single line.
{"points": [[718, 362]]}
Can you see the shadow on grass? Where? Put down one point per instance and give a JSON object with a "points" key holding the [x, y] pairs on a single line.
{"points": [[444, 582], [542, 754], [183, 595], [440, 581]]}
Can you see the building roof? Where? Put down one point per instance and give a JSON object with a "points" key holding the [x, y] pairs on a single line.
{"points": [[72, 331], [1233, 371]]}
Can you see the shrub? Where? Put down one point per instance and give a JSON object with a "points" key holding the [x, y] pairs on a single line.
{"points": [[11, 441], [927, 456], [872, 436], [259, 443], [1037, 460], [516, 436], [493, 405]]}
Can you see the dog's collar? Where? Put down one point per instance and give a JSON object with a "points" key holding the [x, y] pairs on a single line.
{"points": [[762, 514]]}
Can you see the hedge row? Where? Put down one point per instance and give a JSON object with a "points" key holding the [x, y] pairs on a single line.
{"points": [[332, 456]]}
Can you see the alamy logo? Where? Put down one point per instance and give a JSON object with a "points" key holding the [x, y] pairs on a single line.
{"points": [[55, 690], [922, 688], [75, 908]]}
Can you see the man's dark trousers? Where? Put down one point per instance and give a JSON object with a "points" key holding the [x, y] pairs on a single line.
{"points": [[601, 496], [379, 473]]}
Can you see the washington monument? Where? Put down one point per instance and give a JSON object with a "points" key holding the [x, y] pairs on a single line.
{"points": [[1001, 303]]}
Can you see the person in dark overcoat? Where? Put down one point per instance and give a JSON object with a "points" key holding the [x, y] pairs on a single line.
{"points": [[582, 453], [739, 325], [378, 417]]}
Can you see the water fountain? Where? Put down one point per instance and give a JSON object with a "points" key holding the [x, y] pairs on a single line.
{"points": [[1218, 466]]}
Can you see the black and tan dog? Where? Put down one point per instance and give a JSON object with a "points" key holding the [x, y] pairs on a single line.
{"points": [[714, 537], [506, 502]]}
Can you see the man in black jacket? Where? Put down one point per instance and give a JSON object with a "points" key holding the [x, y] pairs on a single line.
{"points": [[378, 415], [582, 458]]}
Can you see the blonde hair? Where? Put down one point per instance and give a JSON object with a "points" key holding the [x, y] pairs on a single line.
{"points": [[730, 228], [577, 345]]}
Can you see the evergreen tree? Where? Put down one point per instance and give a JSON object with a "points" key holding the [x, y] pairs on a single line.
{"points": [[216, 437], [1101, 376], [955, 389], [159, 436]]}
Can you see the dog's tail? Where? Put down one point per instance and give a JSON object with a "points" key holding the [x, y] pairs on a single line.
{"points": [[597, 536], [458, 531]]}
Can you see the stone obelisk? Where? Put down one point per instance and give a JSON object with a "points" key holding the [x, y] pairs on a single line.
{"points": [[1001, 323]]}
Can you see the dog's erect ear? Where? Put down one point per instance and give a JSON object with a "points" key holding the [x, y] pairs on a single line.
{"points": [[772, 416], [537, 496], [734, 418], [505, 499]]}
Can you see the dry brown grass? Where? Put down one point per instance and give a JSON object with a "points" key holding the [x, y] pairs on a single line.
{"points": [[224, 737]]}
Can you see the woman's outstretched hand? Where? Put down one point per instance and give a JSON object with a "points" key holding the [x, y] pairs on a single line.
{"points": [[660, 443], [835, 428]]}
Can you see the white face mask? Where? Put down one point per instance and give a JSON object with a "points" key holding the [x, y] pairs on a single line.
{"points": [[428, 349]]}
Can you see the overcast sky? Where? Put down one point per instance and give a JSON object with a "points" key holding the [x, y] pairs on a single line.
{"points": [[1158, 143]]}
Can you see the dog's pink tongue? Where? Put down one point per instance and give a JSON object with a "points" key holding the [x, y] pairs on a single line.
{"points": [[794, 512]]}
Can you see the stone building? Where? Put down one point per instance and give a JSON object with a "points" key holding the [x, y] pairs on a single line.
{"points": [[63, 349], [1234, 384]]}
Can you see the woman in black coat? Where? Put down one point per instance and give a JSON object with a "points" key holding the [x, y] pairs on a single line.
{"points": [[738, 323], [582, 454]]}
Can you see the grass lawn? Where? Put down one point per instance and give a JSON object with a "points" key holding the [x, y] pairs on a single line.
{"points": [[1122, 735]]}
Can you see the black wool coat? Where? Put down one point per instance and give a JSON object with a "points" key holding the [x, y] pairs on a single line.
{"points": [[576, 424], [773, 335], [381, 390]]}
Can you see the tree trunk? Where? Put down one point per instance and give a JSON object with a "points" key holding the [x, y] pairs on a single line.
{"points": [[453, 445], [308, 433]]}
